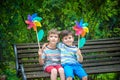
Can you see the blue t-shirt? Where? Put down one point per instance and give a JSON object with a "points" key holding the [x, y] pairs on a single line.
{"points": [[68, 54], [51, 57]]}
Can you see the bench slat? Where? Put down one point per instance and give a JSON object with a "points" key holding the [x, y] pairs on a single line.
{"points": [[28, 55], [33, 69], [103, 42], [104, 69], [31, 65], [35, 75], [86, 60], [101, 46], [101, 55], [101, 64], [100, 60], [82, 50], [100, 50], [105, 47], [84, 65]]}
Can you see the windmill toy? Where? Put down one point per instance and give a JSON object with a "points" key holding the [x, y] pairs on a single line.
{"points": [[33, 21], [80, 30]]}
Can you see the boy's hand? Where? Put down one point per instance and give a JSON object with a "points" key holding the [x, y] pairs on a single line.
{"points": [[79, 56], [79, 52], [40, 52]]}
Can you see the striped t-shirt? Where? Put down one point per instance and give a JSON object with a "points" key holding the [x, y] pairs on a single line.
{"points": [[68, 54], [51, 57]]}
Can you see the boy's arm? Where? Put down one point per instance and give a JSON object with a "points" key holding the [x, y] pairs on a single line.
{"points": [[44, 45], [79, 56], [41, 61]]}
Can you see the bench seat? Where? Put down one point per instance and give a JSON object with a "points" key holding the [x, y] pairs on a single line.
{"points": [[100, 56]]}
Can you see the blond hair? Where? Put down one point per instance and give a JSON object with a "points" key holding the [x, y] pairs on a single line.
{"points": [[54, 31]]}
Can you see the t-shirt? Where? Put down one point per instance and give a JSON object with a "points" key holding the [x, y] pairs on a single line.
{"points": [[68, 54], [51, 57]]}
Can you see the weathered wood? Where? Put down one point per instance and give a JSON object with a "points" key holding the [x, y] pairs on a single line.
{"points": [[100, 56]]}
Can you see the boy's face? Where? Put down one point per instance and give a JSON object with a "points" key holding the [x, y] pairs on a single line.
{"points": [[68, 40], [53, 38]]}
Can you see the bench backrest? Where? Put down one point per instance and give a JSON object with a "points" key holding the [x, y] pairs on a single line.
{"points": [[100, 56], [27, 54]]}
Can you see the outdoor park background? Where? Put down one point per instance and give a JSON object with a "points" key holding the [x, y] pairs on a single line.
{"points": [[103, 17]]}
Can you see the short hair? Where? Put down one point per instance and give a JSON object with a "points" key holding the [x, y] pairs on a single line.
{"points": [[54, 31], [66, 33]]}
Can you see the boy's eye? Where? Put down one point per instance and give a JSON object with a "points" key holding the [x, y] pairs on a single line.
{"points": [[70, 37], [51, 36], [56, 37], [65, 38]]}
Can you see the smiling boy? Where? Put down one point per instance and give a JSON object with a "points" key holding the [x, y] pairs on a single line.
{"points": [[71, 57], [50, 56]]}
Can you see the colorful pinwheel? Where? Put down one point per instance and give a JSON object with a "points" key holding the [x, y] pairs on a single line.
{"points": [[81, 30], [34, 22]]}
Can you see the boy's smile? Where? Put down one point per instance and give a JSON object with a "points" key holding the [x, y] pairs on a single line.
{"points": [[68, 40]]}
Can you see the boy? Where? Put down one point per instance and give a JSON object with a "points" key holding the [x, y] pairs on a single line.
{"points": [[50, 56], [71, 57]]}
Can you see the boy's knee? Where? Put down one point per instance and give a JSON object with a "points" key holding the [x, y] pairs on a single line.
{"points": [[54, 71], [61, 70], [69, 78], [85, 78]]}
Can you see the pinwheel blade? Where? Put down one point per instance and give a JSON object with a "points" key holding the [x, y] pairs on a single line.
{"points": [[82, 42], [81, 22], [37, 19], [33, 16], [40, 34], [85, 24], [29, 18]]}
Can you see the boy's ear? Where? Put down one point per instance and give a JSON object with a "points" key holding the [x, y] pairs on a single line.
{"points": [[73, 39], [58, 39], [62, 39], [47, 38]]}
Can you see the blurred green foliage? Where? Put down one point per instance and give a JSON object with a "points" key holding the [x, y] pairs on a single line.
{"points": [[103, 18]]}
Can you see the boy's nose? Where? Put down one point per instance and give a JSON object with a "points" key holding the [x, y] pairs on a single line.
{"points": [[53, 38]]}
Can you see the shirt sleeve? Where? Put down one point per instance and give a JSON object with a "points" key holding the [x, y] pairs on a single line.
{"points": [[59, 45], [77, 56], [43, 55]]}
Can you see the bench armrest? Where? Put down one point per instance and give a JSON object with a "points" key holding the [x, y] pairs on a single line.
{"points": [[16, 59], [23, 72]]}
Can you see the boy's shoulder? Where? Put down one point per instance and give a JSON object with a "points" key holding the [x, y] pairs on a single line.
{"points": [[50, 49], [60, 44]]}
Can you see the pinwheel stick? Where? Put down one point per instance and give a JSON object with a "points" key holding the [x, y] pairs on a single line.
{"points": [[78, 40], [37, 39]]}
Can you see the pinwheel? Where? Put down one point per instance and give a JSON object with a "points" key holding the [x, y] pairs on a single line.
{"points": [[34, 22], [81, 30]]}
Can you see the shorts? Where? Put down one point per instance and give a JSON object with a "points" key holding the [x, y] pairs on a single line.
{"points": [[49, 68], [72, 70]]}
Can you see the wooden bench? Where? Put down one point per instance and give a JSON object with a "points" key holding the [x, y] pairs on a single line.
{"points": [[100, 56]]}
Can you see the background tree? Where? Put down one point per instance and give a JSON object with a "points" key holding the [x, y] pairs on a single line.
{"points": [[102, 16]]}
